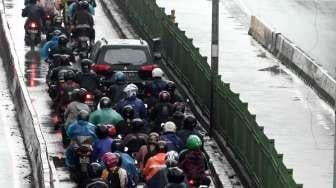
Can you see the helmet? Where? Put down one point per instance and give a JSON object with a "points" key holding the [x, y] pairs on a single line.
{"points": [[76, 95], [95, 170], [157, 73], [153, 138], [131, 90], [128, 112], [86, 64], [63, 40], [117, 145], [111, 160], [189, 122], [83, 115], [179, 106], [101, 131], [57, 32], [169, 126], [119, 77], [84, 4], [105, 102], [172, 158], [60, 75], [111, 130], [164, 96], [170, 87], [175, 175], [69, 75], [137, 124], [58, 20], [82, 93], [194, 142]]}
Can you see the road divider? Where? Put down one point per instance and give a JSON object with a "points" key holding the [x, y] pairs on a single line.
{"points": [[26, 115], [294, 58]]}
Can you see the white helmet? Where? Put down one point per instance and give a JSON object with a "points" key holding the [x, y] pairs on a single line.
{"points": [[169, 126], [131, 90], [157, 72], [172, 158]]}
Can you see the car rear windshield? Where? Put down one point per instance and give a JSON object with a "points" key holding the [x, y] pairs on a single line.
{"points": [[125, 56]]}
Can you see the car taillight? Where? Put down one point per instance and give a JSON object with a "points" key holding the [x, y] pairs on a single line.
{"points": [[101, 67], [149, 67], [88, 97], [33, 25]]}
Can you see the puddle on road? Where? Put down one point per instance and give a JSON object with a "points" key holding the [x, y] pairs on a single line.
{"points": [[33, 69]]}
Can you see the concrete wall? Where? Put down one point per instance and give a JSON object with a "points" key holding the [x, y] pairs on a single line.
{"points": [[27, 117], [292, 56]]}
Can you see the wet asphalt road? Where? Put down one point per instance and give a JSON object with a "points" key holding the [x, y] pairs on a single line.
{"points": [[35, 71], [310, 24], [292, 114]]}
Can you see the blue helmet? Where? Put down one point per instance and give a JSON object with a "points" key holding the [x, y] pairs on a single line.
{"points": [[119, 77]]}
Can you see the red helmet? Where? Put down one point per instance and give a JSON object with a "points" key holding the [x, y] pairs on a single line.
{"points": [[110, 160], [164, 96], [111, 130]]}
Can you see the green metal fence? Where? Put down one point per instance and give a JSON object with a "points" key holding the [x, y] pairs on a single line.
{"points": [[233, 120]]}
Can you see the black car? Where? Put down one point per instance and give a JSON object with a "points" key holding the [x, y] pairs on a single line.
{"points": [[131, 56]]}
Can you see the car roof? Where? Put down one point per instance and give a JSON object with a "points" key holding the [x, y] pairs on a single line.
{"points": [[127, 42]]}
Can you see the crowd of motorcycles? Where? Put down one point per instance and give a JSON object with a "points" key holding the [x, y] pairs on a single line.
{"points": [[115, 135]]}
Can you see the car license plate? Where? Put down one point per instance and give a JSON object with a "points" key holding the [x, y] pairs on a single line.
{"points": [[32, 31], [84, 160]]}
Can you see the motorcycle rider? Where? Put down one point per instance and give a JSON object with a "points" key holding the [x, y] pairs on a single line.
{"points": [[35, 14], [178, 118], [103, 144], [74, 107], [95, 181], [87, 78], [173, 142], [82, 21], [127, 162], [156, 162], [106, 114], [61, 49], [113, 174], [193, 161], [56, 25], [131, 98], [80, 132], [134, 140], [189, 125], [50, 44], [153, 88], [171, 89], [162, 111], [116, 89]]}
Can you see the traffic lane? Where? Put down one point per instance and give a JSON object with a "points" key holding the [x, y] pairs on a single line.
{"points": [[35, 71], [310, 24], [16, 170], [292, 114]]}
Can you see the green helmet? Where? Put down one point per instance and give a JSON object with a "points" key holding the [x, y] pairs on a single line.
{"points": [[194, 142]]}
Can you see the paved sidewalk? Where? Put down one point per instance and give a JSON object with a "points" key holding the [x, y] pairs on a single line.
{"points": [[292, 114]]}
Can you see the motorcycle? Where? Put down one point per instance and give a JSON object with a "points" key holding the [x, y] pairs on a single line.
{"points": [[33, 35], [84, 153]]}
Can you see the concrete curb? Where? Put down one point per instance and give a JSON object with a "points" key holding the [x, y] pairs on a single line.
{"points": [[27, 117], [224, 174], [293, 57]]}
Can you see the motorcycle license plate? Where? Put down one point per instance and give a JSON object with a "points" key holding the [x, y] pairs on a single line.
{"points": [[89, 102], [85, 160], [32, 31]]}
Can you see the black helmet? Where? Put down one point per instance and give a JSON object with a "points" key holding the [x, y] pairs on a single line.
{"points": [[86, 65], [95, 170], [83, 115], [137, 124], [175, 175], [128, 112], [117, 145], [189, 122], [69, 75], [57, 32], [82, 93], [84, 5], [179, 106], [102, 131], [76, 95], [63, 40], [171, 87], [164, 96], [105, 102]]}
